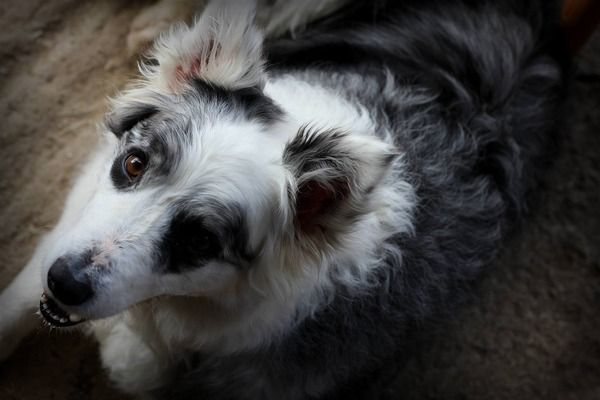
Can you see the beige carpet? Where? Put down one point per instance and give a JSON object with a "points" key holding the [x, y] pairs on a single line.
{"points": [[535, 334]]}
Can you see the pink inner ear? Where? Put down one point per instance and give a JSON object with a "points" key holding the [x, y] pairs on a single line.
{"points": [[194, 70], [314, 201], [196, 67]]}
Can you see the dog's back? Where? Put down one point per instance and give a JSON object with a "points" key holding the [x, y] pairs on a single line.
{"points": [[470, 92]]}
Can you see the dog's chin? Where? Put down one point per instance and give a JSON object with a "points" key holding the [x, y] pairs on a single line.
{"points": [[55, 316]]}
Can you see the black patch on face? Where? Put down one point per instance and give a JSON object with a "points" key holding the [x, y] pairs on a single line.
{"points": [[251, 101], [189, 243], [122, 120], [218, 233]]}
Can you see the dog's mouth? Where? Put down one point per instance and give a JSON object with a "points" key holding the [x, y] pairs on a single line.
{"points": [[56, 316]]}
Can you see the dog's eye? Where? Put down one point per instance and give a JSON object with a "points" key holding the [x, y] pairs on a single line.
{"points": [[135, 164]]}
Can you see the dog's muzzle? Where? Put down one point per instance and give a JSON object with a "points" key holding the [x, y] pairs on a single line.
{"points": [[69, 285]]}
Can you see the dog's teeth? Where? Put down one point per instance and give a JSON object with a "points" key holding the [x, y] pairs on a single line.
{"points": [[63, 320], [74, 318]]}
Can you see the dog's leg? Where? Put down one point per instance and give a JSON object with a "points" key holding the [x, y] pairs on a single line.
{"points": [[19, 303], [132, 364]]}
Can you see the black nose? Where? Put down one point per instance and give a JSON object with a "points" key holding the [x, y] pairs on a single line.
{"points": [[68, 281]]}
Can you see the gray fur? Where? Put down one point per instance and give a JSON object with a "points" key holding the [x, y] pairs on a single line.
{"points": [[476, 140]]}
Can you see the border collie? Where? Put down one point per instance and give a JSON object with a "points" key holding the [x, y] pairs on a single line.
{"points": [[283, 219]]}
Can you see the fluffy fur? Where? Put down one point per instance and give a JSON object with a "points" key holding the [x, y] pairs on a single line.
{"points": [[310, 208]]}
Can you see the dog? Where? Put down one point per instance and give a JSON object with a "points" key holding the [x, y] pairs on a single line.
{"points": [[287, 217]]}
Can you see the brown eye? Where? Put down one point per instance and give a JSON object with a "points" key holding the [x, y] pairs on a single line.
{"points": [[135, 164]]}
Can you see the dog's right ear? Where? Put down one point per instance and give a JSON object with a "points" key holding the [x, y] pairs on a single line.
{"points": [[334, 175], [223, 47]]}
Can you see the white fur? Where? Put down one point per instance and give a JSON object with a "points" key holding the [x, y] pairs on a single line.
{"points": [[217, 308]]}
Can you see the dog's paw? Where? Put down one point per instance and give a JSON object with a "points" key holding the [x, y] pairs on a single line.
{"points": [[18, 315], [154, 20], [12, 333]]}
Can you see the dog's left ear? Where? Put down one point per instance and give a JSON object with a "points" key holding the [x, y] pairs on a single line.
{"points": [[223, 47], [334, 176]]}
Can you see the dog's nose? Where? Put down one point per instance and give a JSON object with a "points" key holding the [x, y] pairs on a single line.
{"points": [[68, 281]]}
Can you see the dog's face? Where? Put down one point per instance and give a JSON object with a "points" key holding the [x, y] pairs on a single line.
{"points": [[203, 182], [181, 204]]}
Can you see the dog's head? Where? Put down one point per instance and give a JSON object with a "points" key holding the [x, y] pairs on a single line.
{"points": [[205, 187]]}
